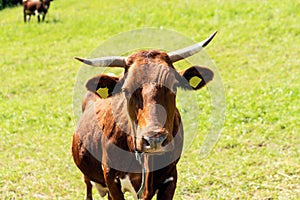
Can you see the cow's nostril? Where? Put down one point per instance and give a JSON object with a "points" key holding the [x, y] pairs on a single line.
{"points": [[165, 142], [145, 142]]}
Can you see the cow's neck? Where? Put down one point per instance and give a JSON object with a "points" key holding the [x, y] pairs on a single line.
{"points": [[119, 110]]}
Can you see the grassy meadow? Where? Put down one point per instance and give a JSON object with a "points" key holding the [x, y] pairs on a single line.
{"points": [[258, 57]]}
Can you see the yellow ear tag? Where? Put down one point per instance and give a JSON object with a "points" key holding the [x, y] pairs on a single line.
{"points": [[194, 81], [103, 92]]}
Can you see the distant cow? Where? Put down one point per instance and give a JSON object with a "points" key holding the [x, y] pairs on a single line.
{"points": [[130, 135], [35, 7]]}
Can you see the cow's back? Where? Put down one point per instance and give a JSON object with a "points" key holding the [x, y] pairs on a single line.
{"points": [[32, 5]]}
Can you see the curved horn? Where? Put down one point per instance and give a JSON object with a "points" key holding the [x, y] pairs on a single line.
{"points": [[111, 61], [191, 50]]}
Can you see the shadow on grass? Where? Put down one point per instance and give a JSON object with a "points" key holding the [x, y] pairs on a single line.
{"points": [[53, 21]]}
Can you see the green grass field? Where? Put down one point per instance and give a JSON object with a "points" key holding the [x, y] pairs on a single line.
{"points": [[258, 57]]}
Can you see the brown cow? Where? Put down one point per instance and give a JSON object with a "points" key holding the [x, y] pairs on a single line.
{"points": [[131, 137], [35, 7]]}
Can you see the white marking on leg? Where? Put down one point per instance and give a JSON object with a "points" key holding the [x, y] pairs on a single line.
{"points": [[126, 186], [168, 180], [102, 190]]}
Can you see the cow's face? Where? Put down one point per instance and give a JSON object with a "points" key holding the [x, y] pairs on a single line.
{"points": [[46, 4], [148, 88]]}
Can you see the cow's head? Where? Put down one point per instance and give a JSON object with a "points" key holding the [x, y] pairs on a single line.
{"points": [[46, 4], [149, 87]]}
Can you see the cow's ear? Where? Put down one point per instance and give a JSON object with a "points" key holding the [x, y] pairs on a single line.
{"points": [[102, 85], [195, 77]]}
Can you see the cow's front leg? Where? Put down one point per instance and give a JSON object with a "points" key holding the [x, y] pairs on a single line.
{"points": [[25, 16], [113, 184], [89, 187], [166, 192], [44, 15]]}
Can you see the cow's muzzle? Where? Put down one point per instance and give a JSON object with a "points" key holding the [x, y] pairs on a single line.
{"points": [[155, 144]]}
